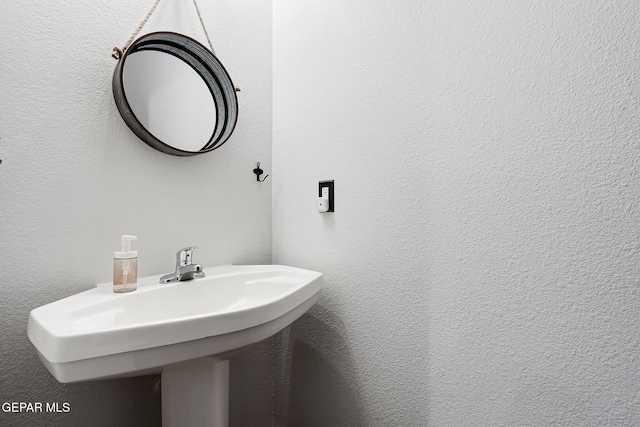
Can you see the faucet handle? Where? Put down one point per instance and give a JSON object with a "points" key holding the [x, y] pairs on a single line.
{"points": [[184, 256]]}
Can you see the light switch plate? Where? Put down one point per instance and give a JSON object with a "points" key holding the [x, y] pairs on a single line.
{"points": [[326, 190]]}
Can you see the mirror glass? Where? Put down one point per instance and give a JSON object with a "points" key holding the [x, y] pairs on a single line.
{"points": [[170, 99], [175, 95]]}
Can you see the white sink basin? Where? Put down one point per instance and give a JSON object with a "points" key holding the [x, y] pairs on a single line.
{"points": [[100, 334]]}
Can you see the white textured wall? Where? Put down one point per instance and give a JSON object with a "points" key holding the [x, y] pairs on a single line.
{"points": [[73, 178], [483, 262]]}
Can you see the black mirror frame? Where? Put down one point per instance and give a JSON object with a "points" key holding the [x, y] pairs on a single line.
{"points": [[206, 65]]}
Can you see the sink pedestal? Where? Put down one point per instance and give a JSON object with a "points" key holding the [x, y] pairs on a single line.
{"points": [[196, 393]]}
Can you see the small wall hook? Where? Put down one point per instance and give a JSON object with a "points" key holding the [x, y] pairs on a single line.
{"points": [[259, 172]]}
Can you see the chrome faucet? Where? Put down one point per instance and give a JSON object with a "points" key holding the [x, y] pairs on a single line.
{"points": [[185, 269]]}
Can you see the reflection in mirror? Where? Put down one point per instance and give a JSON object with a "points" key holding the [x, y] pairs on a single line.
{"points": [[175, 95], [170, 99]]}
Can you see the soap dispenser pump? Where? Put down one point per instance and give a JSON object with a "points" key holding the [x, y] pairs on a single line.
{"points": [[125, 266]]}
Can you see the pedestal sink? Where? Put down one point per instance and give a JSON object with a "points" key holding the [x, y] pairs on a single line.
{"points": [[186, 330]]}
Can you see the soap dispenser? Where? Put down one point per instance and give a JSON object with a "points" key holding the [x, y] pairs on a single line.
{"points": [[125, 266]]}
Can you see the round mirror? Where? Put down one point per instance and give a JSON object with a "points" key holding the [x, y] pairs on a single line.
{"points": [[175, 95]]}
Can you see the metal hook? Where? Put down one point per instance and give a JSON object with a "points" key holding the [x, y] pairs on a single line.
{"points": [[259, 172]]}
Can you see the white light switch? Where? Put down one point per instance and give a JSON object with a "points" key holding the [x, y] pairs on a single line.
{"points": [[322, 203], [326, 197]]}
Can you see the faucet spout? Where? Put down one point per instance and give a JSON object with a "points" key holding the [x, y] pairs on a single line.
{"points": [[185, 268]]}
